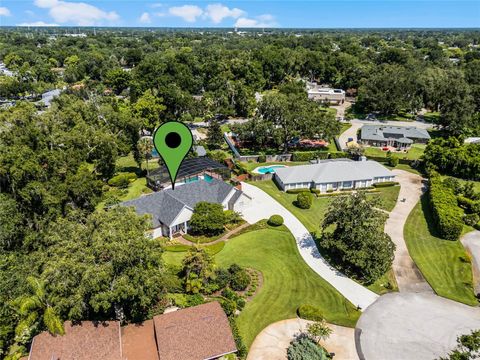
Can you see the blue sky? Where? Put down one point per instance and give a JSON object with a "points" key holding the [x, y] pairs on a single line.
{"points": [[243, 13]]}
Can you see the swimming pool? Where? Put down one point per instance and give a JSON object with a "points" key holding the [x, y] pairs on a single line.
{"points": [[267, 169]]}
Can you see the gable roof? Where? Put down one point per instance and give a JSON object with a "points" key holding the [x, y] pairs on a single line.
{"points": [[381, 132], [84, 341], [165, 205], [196, 333], [328, 171]]}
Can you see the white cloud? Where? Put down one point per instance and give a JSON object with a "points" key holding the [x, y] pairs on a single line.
{"points": [[157, 5], [261, 21], [189, 13], [218, 12], [160, 14], [4, 11], [145, 18], [78, 13], [37, 23]]}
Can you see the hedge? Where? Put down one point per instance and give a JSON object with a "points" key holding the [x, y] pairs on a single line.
{"points": [[385, 184], [470, 206], [446, 214], [297, 191], [310, 312], [275, 220], [311, 155]]}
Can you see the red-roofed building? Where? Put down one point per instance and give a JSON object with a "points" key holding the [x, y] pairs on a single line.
{"points": [[197, 333]]}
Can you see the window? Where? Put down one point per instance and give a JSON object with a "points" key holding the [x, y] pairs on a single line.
{"points": [[347, 184]]}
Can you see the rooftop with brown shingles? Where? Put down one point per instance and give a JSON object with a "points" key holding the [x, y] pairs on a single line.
{"points": [[84, 341], [197, 333], [138, 342]]}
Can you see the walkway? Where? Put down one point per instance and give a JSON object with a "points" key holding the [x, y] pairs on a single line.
{"points": [[273, 341], [409, 277], [413, 326], [225, 237], [471, 242], [263, 206]]}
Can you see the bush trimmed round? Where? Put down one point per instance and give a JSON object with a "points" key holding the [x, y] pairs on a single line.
{"points": [[304, 200], [275, 220]]}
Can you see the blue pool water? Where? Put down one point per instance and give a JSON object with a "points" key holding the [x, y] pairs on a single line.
{"points": [[268, 169], [206, 177]]}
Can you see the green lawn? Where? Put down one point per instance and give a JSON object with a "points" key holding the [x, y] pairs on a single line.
{"points": [[445, 264], [288, 282], [403, 167], [413, 154], [313, 217]]}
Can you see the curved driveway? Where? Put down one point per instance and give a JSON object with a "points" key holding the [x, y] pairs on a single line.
{"points": [[409, 277], [263, 206]]}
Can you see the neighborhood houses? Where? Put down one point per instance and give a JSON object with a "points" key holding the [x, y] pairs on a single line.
{"points": [[199, 193]]}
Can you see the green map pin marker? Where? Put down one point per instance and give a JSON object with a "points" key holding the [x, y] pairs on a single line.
{"points": [[173, 140]]}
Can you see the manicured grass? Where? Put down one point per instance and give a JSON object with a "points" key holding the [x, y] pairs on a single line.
{"points": [[388, 197], [443, 263], [174, 254], [288, 282], [413, 153], [312, 218], [404, 167]]}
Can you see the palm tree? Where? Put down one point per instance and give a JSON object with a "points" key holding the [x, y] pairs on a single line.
{"points": [[145, 147], [35, 312], [319, 330]]}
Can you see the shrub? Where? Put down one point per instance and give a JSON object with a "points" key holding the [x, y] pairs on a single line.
{"points": [[207, 219], [385, 184], [305, 348], [304, 155], [241, 348], [470, 206], [222, 277], [194, 300], [471, 219], [122, 180], [315, 191], [240, 280], [310, 312], [447, 216], [228, 306], [297, 191], [275, 220], [392, 160], [304, 200], [262, 158]]}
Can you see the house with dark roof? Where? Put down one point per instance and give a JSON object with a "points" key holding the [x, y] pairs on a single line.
{"points": [[401, 137], [191, 169], [171, 210], [197, 333]]}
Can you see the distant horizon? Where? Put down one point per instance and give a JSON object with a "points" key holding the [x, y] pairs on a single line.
{"points": [[233, 28], [286, 14]]}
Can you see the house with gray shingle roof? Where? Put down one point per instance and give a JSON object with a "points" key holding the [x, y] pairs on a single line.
{"points": [[398, 136], [171, 210], [332, 175]]}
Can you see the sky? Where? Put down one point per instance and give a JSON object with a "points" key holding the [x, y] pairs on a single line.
{"points": [[243, 13]]}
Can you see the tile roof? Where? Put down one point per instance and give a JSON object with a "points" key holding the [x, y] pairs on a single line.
{"points": [[85, 341], [165, 205], [332, 171], [381, 132], [196, 333], [138, 341]]}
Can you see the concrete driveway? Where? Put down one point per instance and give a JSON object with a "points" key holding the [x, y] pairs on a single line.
{"points": [[471, 242], [413, 326], [409, 277], [273, 341], [263, 206]]}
